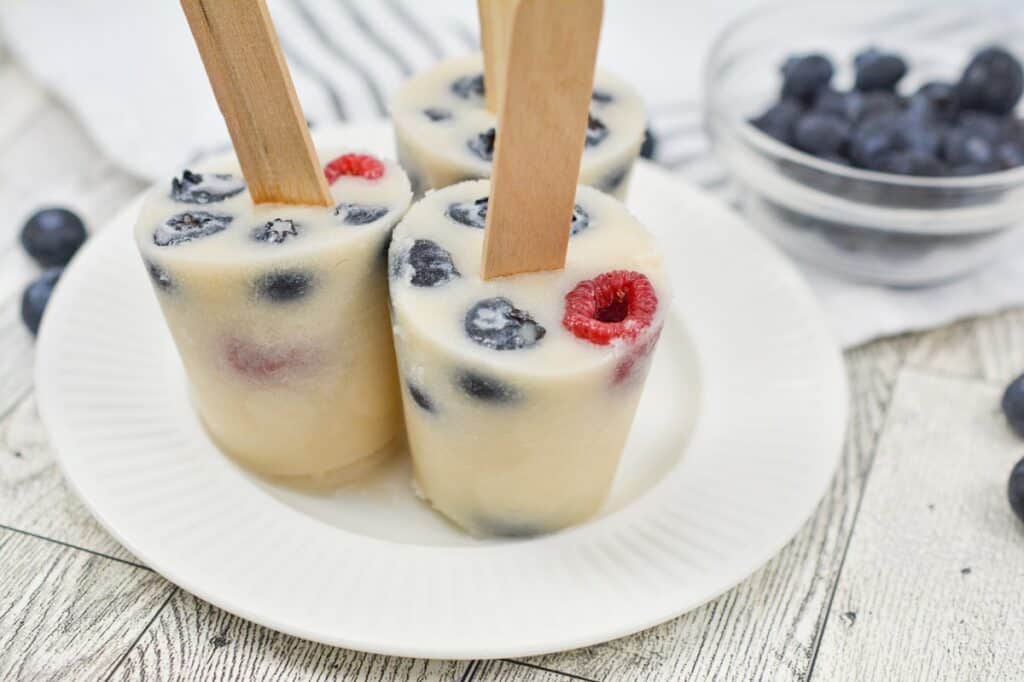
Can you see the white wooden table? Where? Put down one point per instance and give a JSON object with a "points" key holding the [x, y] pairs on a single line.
{"points": [[912, 568]]}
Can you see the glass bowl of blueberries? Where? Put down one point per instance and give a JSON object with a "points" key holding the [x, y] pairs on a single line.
{"points": [[876, 140]]}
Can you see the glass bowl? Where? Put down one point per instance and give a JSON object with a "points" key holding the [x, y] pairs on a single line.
{"points": [[866, 225]]}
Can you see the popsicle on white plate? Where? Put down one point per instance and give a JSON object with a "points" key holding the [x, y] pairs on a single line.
{"points": [[519, 392], [280, 312], [445, 133]]}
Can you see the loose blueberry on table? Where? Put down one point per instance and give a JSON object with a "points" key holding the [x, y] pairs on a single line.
{"points": [[1015, 489], [52, 236], [943, 129], [36, 296]]}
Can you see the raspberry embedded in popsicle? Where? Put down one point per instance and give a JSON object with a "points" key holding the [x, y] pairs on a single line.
{"points": [[615, 305], [358, 165]]}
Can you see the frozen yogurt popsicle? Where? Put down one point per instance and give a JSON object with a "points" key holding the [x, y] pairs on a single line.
{"points": [[519, 392], [280, 312], [445, 133]]}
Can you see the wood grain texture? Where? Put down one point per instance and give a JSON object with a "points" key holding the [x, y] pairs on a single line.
{"points": [[934, 579], [766, 628], [192, 640], [254, 89], [495, 31], [542, 127], [66, 614], [989, 348]]}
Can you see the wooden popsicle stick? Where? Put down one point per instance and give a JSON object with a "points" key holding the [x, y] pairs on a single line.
{"points": [[541, 132], [495, 34], [250, 79]]}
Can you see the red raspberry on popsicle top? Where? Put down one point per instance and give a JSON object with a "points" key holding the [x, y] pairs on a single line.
{"points": [[360, 165], [616, 305]]}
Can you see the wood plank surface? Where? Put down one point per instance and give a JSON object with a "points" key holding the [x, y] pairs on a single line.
{"points": [[193, 640], [933, 584], [66, 614]]}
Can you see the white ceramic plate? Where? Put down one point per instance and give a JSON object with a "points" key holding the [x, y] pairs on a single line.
{"points": [[735, 442]]}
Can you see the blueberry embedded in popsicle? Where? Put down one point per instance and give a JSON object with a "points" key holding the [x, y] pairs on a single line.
{"points": [[437, 114], [469, 86], [420, 397], [483, 144], [497, 324], [276, 231], [602, 97], [359, 214], [205, 188], [431, 264], [160, 277], [597, 131], [284, 286], [580, 220], [189, 226], [486, 389], [469, 213]]}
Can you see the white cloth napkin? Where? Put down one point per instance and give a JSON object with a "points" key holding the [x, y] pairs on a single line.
{"points": [[128, 68]]}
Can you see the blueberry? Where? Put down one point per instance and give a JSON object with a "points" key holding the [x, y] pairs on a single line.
{"points": [[431, 264], [611, 182], [988, 126], [845, 105], [963, 147], [1013, 405], [283, 286], [205, 188], [877, 70], [1010, 155], [52, 236], [650, 145], [470, 214], [468, 86], [36, 296], [486, 389], [869, 105], [597, 131], [497, 324], [483, 144], [580, 220], [160, 277], [601, 97], [1015, 489], [821, 134], [189, 226], [993, 82], [420, 397], [873, 138], [436, 114], [920, 136], [276, 231], [804, 75], [911, 163], [935, 101], [359, 214], [780, 120]]}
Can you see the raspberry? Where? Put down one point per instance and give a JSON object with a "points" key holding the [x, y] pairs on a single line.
{"points": [[360, 165], [616, 305]]}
